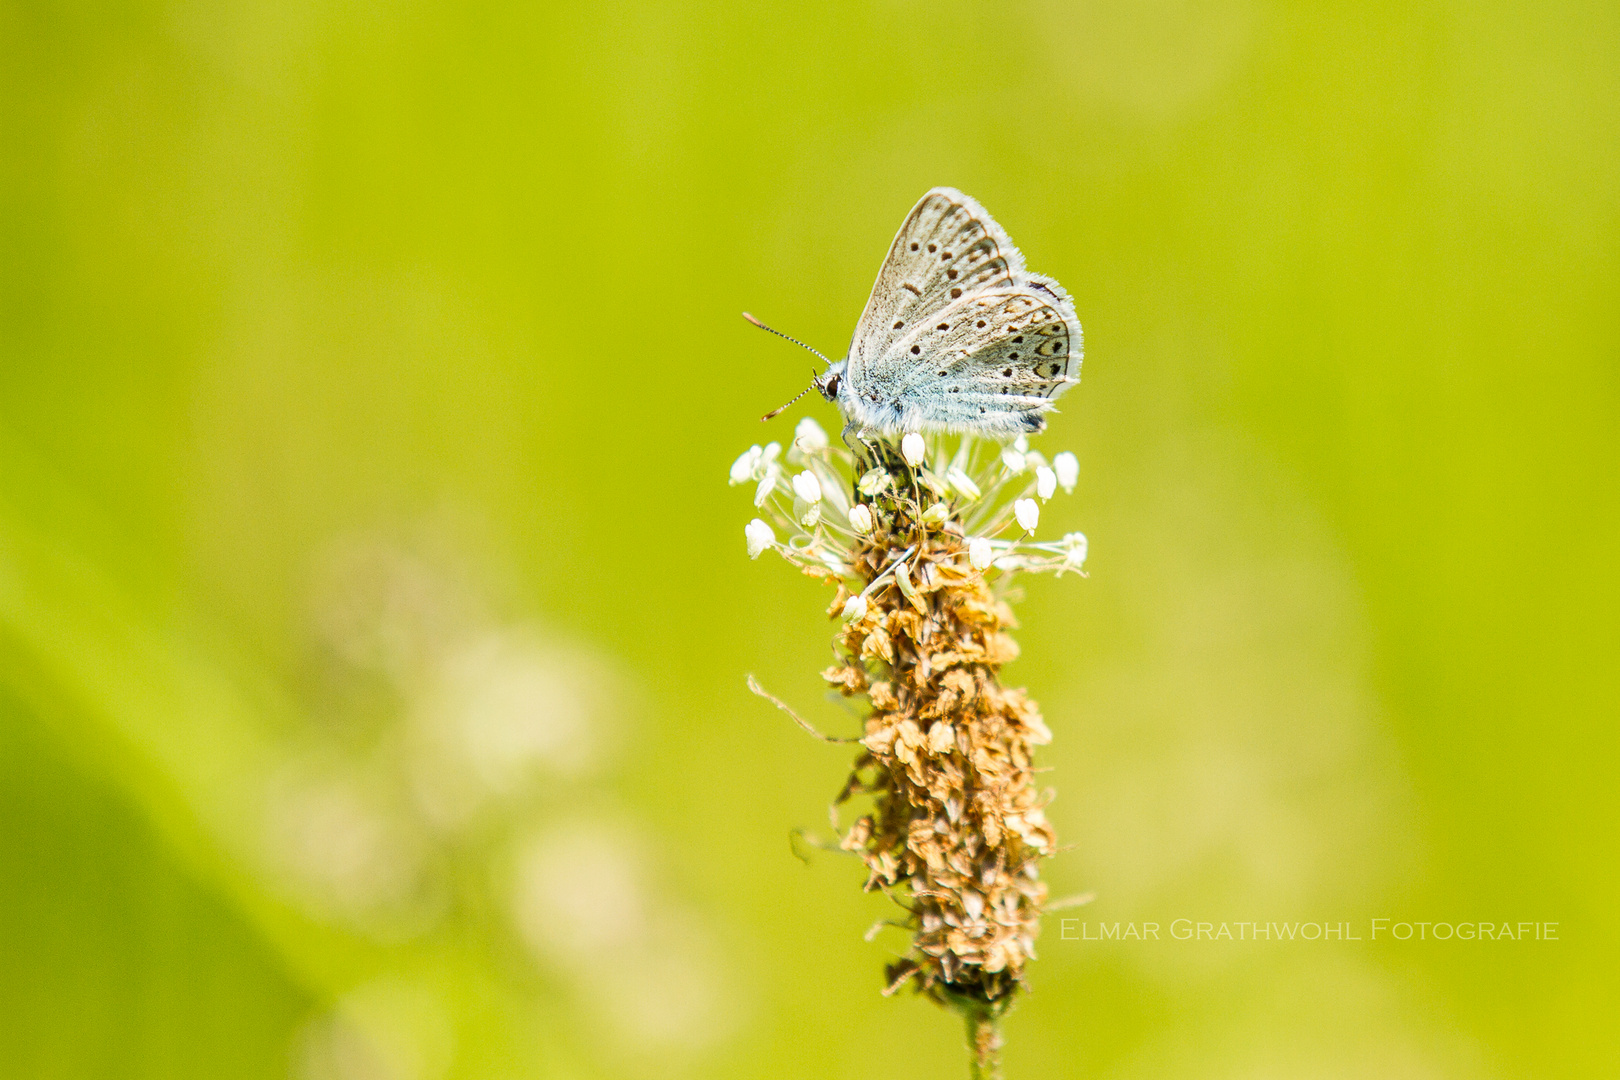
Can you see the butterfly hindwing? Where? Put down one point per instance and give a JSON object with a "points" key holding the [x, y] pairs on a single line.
{"points": [[998, 363]]}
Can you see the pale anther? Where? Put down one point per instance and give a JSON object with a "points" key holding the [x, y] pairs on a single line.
{"points": [[807, 487], [1067, 467], [1045, 482], [760, 536]]}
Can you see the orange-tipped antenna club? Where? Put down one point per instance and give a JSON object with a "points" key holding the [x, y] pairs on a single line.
{"points": [[779, 334]]}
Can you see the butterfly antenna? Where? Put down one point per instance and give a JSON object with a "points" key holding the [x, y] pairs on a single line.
{"points": [[778, 412], [774, 413], [779, 334]]}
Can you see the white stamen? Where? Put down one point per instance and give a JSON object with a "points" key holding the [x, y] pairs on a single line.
{"points": [[767, 482], [1013, 460], [807, 487], [1067, 467], [860, 519], [873, 481], [1074, 549], [913, 449], [809, 436], [1028, 513], [980, 553], [760, 536], [855, 607], [962, 482], [742, 470], [936, 514], [1045, 482]]}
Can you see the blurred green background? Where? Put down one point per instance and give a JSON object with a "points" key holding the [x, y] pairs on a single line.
{"points": [[374, 612]]}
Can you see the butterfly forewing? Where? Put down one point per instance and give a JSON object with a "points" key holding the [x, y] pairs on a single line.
{"points": [[957, 334], [949, 248]]}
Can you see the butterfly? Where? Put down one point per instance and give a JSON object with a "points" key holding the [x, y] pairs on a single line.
{"points": [[957, 335]]}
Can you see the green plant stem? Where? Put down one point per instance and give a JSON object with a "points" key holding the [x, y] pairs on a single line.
{"points": [[984, 1044]]}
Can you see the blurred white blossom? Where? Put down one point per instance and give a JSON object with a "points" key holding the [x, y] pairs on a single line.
{"points": [[390, 1028], [465, 729], [583, 904]]}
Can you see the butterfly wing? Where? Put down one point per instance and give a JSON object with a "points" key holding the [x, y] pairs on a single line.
{"points": [[948, 247], [957, 335], [999, 361]]}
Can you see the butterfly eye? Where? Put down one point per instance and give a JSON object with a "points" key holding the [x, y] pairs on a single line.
{"points": [[831, 389]]}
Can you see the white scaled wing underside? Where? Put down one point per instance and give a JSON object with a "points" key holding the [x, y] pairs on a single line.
{"points": [[957, 335]]}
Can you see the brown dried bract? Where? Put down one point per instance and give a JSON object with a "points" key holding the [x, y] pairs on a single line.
{"points": [[956, 831]]}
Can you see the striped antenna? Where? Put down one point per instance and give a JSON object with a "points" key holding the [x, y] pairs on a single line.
{"points": [[774, 413], [778, 412], [779, 334]]}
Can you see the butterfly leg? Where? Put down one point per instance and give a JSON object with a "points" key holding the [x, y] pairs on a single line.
{"points": [[854, 433]]}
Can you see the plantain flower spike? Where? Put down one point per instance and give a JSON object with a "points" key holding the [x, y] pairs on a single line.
{"points": [[951, 823]]}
